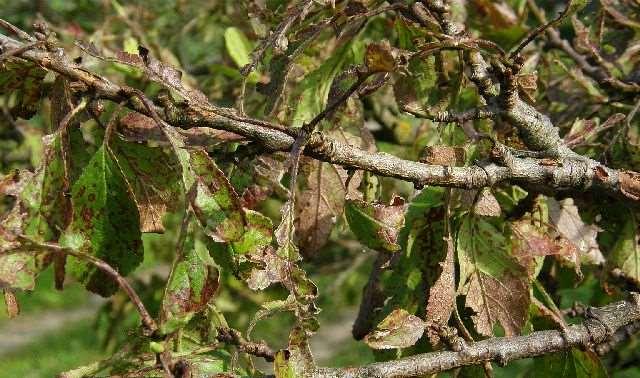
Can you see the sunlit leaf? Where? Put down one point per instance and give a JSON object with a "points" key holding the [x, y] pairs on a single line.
{"points": [[398, 330]]}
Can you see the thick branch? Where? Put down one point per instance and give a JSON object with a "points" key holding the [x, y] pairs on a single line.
{"points": [[564, 175], [597, 329]]}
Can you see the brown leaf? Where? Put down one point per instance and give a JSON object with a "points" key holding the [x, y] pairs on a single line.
{"points": [[274, 270], [505, 301], [161, 73], [319, 204], [630, 184], [442, 295], [566, 219], [399, 329], [487, 205], [136, 127], [532, 241], [11, 303], [379, 57], [13, 182]]}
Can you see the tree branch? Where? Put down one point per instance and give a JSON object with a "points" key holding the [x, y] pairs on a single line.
{"points": [[565, 174], [603, 325]]}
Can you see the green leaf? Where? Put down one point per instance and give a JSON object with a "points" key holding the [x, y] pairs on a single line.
{"points": [[569, 364], [238, 46], [214, 200], [626, 254], [375, 224], [258, 234], [105, 222], [399, 329], [281, 366], [192, 283]]}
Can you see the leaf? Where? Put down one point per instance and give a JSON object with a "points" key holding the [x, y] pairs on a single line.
{"points": [[284, 234], [238, 46], [573, 363], [105, 223], [625, 253], [496, 286], [379, 57], [505, 301], [11, 303], [281, 366], [42, 209], [23, 81], [375, 224], [319, 204], [487, 205], [566, 219], [159, 72], [443, 155], [483, 246], [194, 280], [442, 293], [533, 243], [214, 200], [152, 176], [398, 330], [257, 236]]}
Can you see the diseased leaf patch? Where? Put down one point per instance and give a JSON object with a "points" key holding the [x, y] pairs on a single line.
{"points": [[105, 223], [377, 225], [398, 330], [193, 282], [23, 81], [153, 177]]}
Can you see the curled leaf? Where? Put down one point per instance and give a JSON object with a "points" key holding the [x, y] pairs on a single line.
{"points": [[399, 329]]}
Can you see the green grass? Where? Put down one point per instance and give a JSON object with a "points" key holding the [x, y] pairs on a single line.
{"points": [[53, 353]]}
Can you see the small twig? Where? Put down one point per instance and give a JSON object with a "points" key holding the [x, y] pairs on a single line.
{"points": [[539, 30], [147, 320], [16, 31], [20, 50], [234, 337]]}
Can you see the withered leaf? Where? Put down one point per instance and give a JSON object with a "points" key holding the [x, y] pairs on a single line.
{"points": [[319, 204], [442, 293], [566, 219], [505, 301], [486, 204], [152, 175], [379, 57], [496, 285], [11, 303], [399, 329]]}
